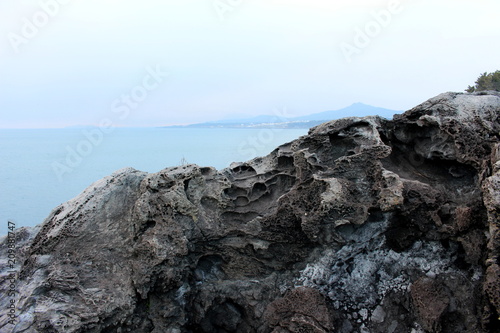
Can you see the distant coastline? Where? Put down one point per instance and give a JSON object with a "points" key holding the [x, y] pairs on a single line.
{"points": [[283, 122], [277, 125]]}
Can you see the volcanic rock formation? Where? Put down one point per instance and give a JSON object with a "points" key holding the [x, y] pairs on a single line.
{"points": [[363, 225]]}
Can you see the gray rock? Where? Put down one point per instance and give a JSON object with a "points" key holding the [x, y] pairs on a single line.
{"points": [[368, 219]]}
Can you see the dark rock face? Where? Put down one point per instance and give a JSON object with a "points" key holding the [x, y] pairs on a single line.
{"points": [[364, 225]]}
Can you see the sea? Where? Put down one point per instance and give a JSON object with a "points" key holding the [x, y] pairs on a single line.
{"points": [[42, 168]]}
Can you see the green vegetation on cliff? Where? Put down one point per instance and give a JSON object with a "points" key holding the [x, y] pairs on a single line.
{"points": [[486, 81]]}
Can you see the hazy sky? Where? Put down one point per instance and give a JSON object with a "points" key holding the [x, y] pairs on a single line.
{"points": [[77, 62]]}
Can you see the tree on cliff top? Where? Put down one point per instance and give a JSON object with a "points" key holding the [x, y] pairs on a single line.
{"points": [[486, 81]]}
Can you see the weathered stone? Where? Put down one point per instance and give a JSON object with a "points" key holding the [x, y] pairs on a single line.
{"points": [[301, 309], [430, 301], [363, 225]]}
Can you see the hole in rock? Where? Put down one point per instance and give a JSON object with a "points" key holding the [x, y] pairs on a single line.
{"points": [[234, 192], [401, 234], [341, 145], [452, 322], [285, 162], [206, 171], [209, 268], [241, 201], [224, 317], [259, 189], [461, 261], [244, 170], [144, 227], [375, 215]]}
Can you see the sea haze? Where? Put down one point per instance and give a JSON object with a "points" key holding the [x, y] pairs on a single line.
{"points": [[35, 175]]}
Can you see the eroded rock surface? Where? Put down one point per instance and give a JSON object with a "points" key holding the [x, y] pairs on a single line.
{"points": [[363, 225]]}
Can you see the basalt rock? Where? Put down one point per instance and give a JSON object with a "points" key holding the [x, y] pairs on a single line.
{"points": [[363, 225]]}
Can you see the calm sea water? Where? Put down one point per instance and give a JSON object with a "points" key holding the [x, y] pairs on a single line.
{"points": [[40, 169]]}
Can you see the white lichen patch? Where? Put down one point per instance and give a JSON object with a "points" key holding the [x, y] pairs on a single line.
{"points": [[361, 273]]}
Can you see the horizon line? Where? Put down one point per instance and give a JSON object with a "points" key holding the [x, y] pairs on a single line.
{"points": [[79, 126]]}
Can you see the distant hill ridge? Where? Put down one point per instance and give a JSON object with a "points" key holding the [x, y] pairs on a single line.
{"points": [[354, 110]]}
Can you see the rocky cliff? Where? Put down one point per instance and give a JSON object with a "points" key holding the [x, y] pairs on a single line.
{"points": [[363, 225]]}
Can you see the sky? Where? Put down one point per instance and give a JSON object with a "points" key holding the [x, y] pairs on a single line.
{"points": [[162, 62]]}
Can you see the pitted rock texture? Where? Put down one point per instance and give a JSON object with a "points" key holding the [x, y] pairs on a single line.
{"points": [[363, 225]]}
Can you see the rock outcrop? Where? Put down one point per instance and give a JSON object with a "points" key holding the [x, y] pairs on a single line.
{"points": [[363, 225]]}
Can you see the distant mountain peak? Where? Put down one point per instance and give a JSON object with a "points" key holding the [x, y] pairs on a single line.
{"points": [[357, 109]]}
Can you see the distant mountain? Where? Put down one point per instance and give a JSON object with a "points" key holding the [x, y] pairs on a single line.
{"points": [[275, 121]]}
